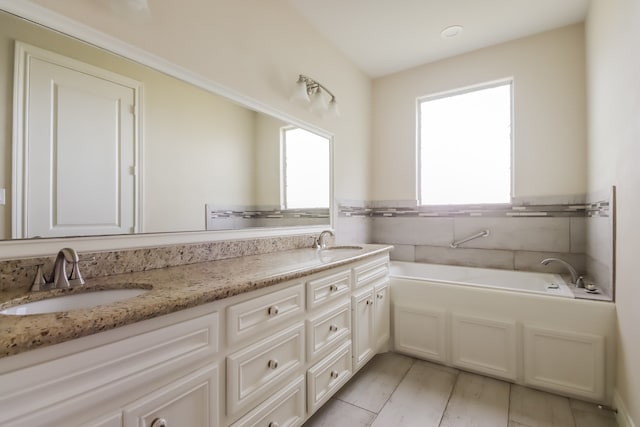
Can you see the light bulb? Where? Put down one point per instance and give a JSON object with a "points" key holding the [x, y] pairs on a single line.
{"points": [[318, 104], [333, 108], [300, 93]]}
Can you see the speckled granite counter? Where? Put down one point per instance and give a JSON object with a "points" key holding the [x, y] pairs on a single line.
{"points": [[170, 290]]}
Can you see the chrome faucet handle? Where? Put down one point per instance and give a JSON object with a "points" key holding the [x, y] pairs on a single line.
{"points": [[580, 282], [75, 278], [39, 282], [59, 277], [321, 243]]}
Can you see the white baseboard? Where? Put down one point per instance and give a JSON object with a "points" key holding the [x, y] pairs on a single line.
{"points": [[622, 417]]}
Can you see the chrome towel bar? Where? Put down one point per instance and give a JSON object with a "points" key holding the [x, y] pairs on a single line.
{"points": [[483, 233]]}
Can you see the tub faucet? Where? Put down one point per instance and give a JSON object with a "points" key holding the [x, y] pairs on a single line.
{"points": [[320, 241], [576, 279], [59, 277]]}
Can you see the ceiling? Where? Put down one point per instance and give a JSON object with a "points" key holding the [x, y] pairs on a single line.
{"points": [[385, 36]]}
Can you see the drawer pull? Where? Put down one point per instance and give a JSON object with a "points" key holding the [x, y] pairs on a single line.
{"points": [[334, 374], [159, 422], [380, 296], [273, 424], [273, 364], [273, 310], [369, 302], [333, 288], [333, 328]]}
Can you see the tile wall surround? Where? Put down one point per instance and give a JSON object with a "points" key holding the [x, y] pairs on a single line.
{"points": [[600, 237], [19, 273], [574, 228]]}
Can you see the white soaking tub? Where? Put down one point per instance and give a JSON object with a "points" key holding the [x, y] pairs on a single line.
{"points": [[520, 281], [505, 324]]}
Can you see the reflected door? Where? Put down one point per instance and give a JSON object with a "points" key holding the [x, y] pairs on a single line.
{"points": [[79, 125]]}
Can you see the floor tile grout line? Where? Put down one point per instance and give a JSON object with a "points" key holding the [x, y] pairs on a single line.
{"points": [[413, 361], [356, 406], [453, 389]]}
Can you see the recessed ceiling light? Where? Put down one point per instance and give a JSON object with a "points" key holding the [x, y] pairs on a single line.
{"points": [[451, 31]]}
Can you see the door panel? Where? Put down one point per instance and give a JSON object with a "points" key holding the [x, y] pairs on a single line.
{"points": [[78, 125]]}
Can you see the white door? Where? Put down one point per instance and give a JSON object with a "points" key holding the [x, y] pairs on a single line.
{"points": [[79, 149]]}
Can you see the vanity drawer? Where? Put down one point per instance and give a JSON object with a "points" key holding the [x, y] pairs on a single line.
{"points": [[328, 288], [328, 329], [260, 314], [254, 371], [286, 408], [370, 271], [327, 376]]}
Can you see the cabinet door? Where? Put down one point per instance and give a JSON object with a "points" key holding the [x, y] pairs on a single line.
{"points": [[113, 420], [363, 327], [191, 401], [382, 316]]}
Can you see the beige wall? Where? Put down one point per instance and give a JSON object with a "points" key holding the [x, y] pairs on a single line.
{"points": [[267, 148], [613, 69], [549, 113]]}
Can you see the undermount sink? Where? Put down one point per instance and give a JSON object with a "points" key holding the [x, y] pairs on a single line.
{"points": [[342, 248], [73, 302]]}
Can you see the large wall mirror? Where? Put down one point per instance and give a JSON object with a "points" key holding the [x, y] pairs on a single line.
{"points": [[166, 157]]}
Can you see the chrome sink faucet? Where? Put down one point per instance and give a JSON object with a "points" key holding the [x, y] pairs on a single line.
{"points": [[576, 279], [321, 240], [60, 279]]}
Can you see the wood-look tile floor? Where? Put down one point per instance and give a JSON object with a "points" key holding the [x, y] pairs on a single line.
{"points": [[398, 391]]}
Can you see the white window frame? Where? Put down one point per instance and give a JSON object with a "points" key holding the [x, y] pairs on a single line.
{"points": [[461, 91]]}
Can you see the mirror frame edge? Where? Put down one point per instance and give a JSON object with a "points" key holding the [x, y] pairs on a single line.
{"points": [[10, 249]]}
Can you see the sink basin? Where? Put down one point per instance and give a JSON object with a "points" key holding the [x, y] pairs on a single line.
{"points": [[73, 302], [342, 248]]}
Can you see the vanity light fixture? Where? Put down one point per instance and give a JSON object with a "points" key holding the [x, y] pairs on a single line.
{"points": [[310, 91]]}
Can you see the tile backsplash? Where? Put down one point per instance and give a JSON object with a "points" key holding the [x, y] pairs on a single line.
{"points": [[20, 273]]}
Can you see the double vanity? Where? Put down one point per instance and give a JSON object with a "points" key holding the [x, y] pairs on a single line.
{"points": [[254, 340]]}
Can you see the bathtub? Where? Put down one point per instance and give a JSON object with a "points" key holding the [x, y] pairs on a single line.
{"points": [[505, 324], [508, 280]]}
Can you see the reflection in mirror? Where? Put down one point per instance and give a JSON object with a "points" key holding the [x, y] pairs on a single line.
{"points": [[199, 161]]}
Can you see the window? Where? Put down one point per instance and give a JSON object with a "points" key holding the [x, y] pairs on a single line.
{"points": [[305, 169], [464, 141]]}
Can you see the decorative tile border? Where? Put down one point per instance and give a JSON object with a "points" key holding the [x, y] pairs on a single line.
{"points": [[257, 213], [375, 210]]}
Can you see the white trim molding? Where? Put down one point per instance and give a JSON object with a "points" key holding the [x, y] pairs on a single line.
{"points": [[622, 415]]}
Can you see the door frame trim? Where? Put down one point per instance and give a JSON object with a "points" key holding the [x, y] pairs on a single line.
{"points": [[24, 52]]}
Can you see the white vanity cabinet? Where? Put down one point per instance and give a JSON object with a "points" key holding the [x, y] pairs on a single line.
{"points": [[190, 401], [382, 317], [160, 368], [269, 357], [329, 346], [370, 309]]}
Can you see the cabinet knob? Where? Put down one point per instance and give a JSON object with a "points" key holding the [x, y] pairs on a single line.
{"points": [[380, 296], [159, 422], [335, 374], [369, 302], [333, 328], [333, 288], [273, 424], [273, 310], [273, 364]]}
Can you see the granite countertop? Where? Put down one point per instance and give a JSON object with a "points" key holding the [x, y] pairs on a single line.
{"points": [[170, 289]]}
